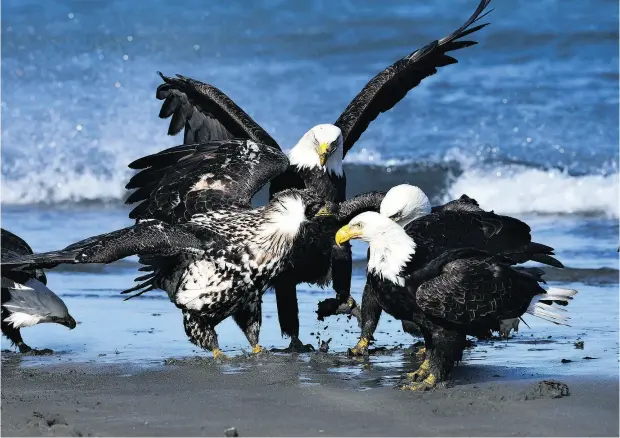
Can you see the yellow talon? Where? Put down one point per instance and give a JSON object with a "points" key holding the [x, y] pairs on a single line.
{"points": [[257, 349], [424, 385], [218, 354], [360, 348], [420, 373], [421, 353]]}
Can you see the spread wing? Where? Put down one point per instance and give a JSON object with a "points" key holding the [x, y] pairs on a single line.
{"points": [[14, 246], [176, 183], [147, 238], [206, 113], [391, 85]]}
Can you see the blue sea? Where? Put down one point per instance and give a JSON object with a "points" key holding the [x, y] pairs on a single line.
{"points": [[526, 123]]}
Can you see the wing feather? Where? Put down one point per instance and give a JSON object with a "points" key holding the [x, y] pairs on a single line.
{"points": [[14, 246], [479, 291], [391, 85], [206, 113], [176, 183]]}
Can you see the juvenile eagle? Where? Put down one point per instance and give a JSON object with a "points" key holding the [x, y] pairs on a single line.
{"points": [[219, 257], [206, 113], [26, 300]]}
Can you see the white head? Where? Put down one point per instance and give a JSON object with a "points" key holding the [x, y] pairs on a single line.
{"points": [[390, 246], [405, 203], [34, 303], [321, 147]]}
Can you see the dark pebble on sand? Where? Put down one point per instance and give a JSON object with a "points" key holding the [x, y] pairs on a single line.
{"points": [[311, 333], [231, 431], [579, 345], [547, 389], [590, 358], [155, 314], [566, 361]]}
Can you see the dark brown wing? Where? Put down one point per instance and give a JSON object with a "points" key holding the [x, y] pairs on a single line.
{"points": [[391, 85], [178, 182], [206, 113], [478, 291], [14, 246]]}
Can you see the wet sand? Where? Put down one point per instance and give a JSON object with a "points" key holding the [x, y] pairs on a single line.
{"points": [[307, 395]]}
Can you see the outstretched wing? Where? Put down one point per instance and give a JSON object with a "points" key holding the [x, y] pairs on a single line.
{"points": [[145, 238], [206, 113], [178, 182], [14, 246], [391, 85]]}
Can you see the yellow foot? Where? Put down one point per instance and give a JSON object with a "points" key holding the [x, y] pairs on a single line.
{"points": [[360, 349], [428, 383], [257, 349], [218, 354], [421, 353], [420, 374]]}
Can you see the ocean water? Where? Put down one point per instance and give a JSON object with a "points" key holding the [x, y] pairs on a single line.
{"points": [[526, 123]]}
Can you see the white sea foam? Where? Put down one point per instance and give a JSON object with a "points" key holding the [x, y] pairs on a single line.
{"points": [[516, 189]]}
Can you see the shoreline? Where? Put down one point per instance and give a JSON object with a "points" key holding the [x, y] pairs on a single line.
{"points": [[306, 395]]}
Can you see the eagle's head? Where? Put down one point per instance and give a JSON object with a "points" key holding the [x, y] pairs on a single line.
{"points": [[405, 203], [321, 147], [390, 246]]}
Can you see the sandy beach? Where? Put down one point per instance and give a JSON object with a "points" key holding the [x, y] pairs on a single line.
{"points": [[276, 395]]}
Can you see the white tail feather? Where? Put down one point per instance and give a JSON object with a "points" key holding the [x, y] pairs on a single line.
{"points": [[550, 312]]}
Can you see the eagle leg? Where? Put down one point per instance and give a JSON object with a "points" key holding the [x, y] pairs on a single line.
{"points": [[342, 269], [288, 314], [249, 318], [370, 315], [421, 353], [420, 374], [425, 385], [361, 348], [201, 332], [442, 349], [14, 335]]}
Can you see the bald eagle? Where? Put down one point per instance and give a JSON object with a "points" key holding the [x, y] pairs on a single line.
{"points": [[404, 204], [419, 274], [206, 113], [221, 254], [26, 300]]}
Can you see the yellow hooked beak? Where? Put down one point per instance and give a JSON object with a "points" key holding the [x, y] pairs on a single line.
{"points": [[324, 212], [347, 233], [323, 153]]}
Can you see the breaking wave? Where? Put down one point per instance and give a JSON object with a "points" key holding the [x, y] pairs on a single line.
{"points": [[505, 188], [511, 190]]}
